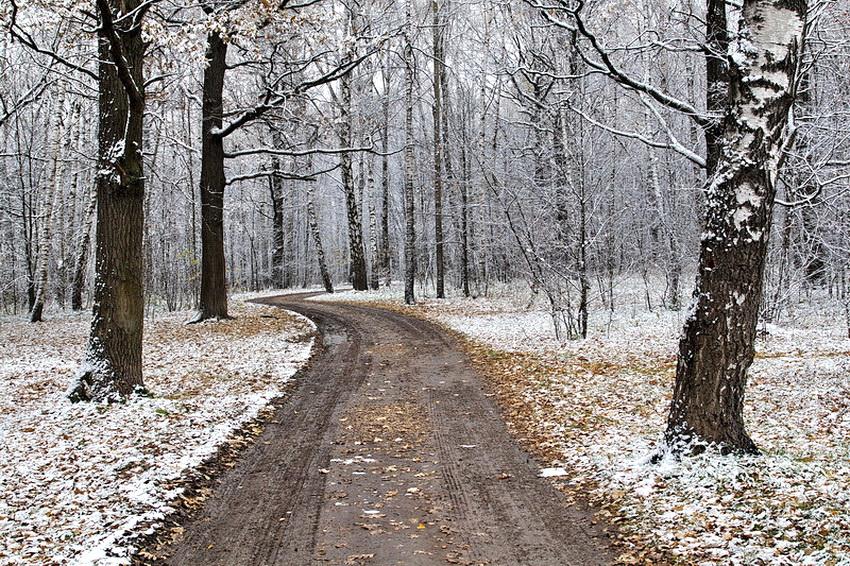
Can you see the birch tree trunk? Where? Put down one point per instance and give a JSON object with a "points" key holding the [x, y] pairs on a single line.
{"points": [[57, 131], [67, 208], [409, 219], [437, 109], [81, 251], [716, 348], [464, 212], [581, 257], [386, 262], [664, 234], [81, 258], [317, 240], [374, 274], [357, 257], [717, 79], [113, 363]]}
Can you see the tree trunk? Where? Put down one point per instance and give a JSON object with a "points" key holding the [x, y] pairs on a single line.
{"points": [[386, 264], [57, 130], [27, 228], [113, 361], [464, 215], [581, 255], [83, 253], [717, 78], [716, 347], [317, 239], [816, 258], [278, 236], [409, 219], [67, 208], [355, 228], [664, 235], [437, 109], [374, 274], [213, 299], [562, 183]]}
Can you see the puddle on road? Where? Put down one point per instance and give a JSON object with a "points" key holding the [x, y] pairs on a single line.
{"points": [[335, 339]]}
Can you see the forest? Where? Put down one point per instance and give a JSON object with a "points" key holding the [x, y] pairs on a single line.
{"points": [[629, 218]]}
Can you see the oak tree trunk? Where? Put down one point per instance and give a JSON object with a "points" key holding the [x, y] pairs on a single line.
{"points": [[113, 361], [213, 298]]}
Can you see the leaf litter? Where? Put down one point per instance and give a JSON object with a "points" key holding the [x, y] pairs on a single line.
{"points": [[81, 482]]}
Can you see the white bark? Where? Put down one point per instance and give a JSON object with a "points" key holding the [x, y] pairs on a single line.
{"points": [[409, 164], [52, 188]]}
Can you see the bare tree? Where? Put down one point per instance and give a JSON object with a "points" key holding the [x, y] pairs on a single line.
{"points": [[113, 362], [409, 163], [49, 209], [438, 29]]}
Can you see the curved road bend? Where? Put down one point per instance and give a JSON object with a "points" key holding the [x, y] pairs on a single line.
{"points": [[388, 451]]}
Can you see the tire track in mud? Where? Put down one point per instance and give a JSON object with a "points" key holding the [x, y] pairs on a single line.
{"points": [[388, 451]]}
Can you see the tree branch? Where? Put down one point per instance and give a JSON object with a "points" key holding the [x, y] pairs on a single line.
{"points": [[137, 101]]}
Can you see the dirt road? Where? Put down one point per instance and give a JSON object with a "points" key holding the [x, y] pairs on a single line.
{"points": [[389, 451]]}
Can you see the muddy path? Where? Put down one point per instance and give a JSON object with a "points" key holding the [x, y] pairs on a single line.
{"points": [[388, 451]]}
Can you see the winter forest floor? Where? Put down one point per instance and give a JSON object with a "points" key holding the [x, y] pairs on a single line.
{"points": [[79, 481], [595, 409]]}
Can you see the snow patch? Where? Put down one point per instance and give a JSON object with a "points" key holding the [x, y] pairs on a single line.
{"points": [[78, 479]]}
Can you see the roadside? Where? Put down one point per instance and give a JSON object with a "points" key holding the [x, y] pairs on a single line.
{"points": [[81, 482], [594, 410]]}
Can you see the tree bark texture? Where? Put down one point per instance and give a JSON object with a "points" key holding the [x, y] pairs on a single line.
{"points": [[464, 214], [409, 164], [374, 271], [357, 256], [317, 239], [113, 361], [278, 236], [386, 262], [717, 345], [437, 110], [213, 298], [49, 208], [81, 258]]}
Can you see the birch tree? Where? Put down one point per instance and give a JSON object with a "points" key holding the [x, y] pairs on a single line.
{"points": [[54, 181], [409, 164], [357, 257], [751, 73], [717, 345], [438, 33]]}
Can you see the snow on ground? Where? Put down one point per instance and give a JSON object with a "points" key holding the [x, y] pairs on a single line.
{"points": [[249, 295], [598, 407], [76, 479]]}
